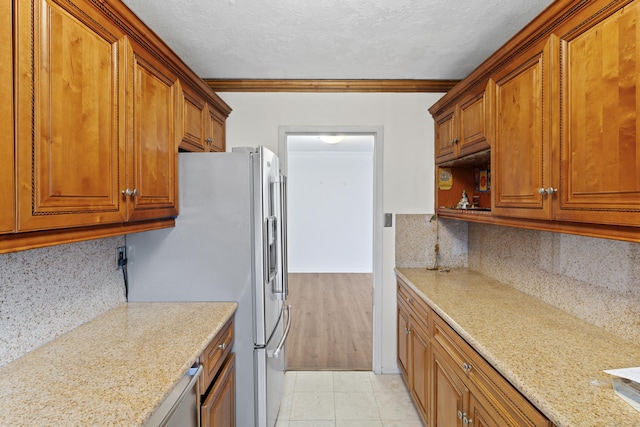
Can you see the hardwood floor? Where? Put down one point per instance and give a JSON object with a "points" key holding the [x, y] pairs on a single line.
{"points": [[333, 321]]}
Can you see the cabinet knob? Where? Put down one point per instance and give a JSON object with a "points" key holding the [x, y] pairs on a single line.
{"points": [[129, 192], [548, 191], [466, 421], [467, 367], [460, 415], [454, 141], [209, 141], [222, 346], [409, 299], [407, 331]]}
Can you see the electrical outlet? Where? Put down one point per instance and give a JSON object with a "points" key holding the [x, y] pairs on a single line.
{"points": [[121, 257]]}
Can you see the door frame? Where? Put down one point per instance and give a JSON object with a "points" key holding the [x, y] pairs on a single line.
{"points": [[378, 215]]}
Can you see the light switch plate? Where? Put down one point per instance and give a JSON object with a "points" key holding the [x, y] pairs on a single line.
{"points": [[388, 220]]}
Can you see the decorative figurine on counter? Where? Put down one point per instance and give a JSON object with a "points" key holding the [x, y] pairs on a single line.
{"points": [[464, 201]]}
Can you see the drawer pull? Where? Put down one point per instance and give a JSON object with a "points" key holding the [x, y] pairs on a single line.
{"points": [[222, 346], [466, 367]]}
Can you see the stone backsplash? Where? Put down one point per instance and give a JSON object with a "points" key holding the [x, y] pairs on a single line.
{"points": [[46, 292]]}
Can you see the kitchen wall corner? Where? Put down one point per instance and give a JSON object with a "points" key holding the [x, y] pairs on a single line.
{"points": [[417, 235], [46, 292]]}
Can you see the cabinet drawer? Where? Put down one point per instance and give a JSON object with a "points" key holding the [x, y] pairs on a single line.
{"points": [[215, 354], [415, 304]]}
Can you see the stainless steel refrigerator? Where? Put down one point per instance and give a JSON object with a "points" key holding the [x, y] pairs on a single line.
{"points": [[228, 244]]}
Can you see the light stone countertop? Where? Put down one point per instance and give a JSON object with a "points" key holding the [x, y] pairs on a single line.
{"points": [[114, 370], [554, 359]]}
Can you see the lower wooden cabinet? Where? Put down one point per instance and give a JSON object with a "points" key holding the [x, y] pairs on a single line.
{"points": [[219, 407], [450, 394], [414, 348], [217, 385], [450, 383]]}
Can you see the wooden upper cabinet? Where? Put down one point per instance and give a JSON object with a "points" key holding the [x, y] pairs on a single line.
{"points": [[215, 137], [151, 189], [203, 125], [445, 127], [193, 121], [599, 132], [473, 124], [521, 146], [461, 129], [7, 183], [69, 92]]}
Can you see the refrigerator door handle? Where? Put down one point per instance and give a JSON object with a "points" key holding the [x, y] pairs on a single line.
{"points": [[280, 187], [284, 266], [270, 252], [275, 353]]}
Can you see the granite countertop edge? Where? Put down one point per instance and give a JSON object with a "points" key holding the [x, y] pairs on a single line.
{"points": [[562, 376], [113, 370]]}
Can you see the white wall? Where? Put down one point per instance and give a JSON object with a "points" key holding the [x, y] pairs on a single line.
{"points": [[330, 222], [408, 156]]}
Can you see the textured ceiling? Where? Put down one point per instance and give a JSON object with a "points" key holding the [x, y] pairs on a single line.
{"points": [[335, 39]]}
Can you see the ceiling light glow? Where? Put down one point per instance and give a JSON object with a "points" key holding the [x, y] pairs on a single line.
{"points": [[331, 139]]}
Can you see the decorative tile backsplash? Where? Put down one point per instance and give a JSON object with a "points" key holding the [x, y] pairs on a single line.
{"points": [[597, 280], [47, 292]]}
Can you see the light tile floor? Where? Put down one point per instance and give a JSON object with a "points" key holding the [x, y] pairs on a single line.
{"points": [[345, 399]]}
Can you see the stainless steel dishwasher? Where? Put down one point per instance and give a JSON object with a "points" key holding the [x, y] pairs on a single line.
{"points": [[181, 408]]}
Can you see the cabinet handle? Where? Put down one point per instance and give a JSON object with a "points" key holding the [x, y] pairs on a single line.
{"points": [[466, 367], [454, 141], [460, 415], [548, 191], [466, 421], [409, 299], [209, 141], [222, 346], [129, 192], [407, 331]]}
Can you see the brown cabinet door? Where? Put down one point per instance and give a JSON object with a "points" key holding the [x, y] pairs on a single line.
{"points": [[69, 93], [193, 122], [403, 341], [419, 369], [473, 125], [599, 136], [7, 183], [218, 409], [153, 148], [521, 148], [215, 131], [446, 135], [450, 395]]}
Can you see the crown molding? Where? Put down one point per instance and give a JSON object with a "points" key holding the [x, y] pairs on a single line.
{"points": [[308, 85]]}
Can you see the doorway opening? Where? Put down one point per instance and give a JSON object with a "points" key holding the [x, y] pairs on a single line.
{"points": [[334, 238]]}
